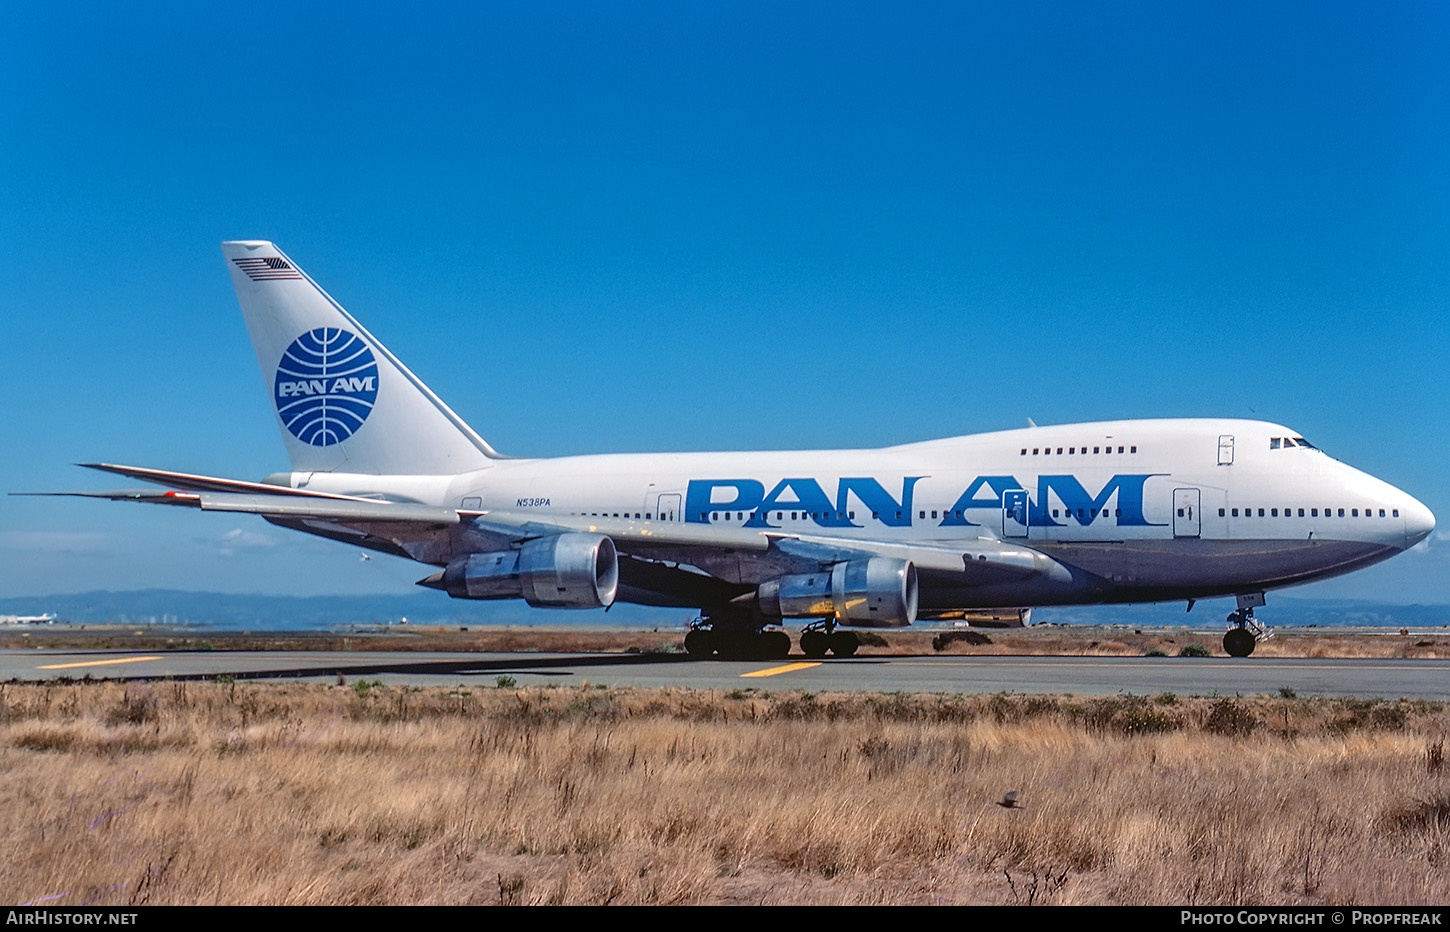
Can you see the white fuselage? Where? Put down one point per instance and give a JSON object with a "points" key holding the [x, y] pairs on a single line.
{"points": [[1137, 510]]}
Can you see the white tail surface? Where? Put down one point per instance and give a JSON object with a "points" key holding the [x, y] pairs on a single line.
{"points": [[343, 402]]}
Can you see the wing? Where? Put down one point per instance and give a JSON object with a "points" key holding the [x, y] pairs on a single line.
{"points": [[659, 563]]}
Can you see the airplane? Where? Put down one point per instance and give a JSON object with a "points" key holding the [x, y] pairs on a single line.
{"points": [[1124, 511]]}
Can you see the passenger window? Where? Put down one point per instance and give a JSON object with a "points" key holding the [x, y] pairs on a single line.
{"points": [[1313, 512], [1132, 449], [1236, 513], [1261, 512], [1220, 512], [1301, 512], [1341, 512], [1273, 512]]}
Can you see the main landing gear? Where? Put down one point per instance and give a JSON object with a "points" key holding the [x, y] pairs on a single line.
{"points": [[742, 640], [708, 637], [822, 636], [1244, 631]]}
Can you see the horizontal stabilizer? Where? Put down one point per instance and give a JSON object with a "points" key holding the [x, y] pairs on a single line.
{"points": [[342, 510], [195, 483]]}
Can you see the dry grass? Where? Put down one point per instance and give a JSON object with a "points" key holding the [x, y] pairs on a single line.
{"points": [[301, 794]]}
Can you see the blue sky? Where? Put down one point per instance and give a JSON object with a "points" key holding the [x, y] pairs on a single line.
{"points": [[611, 227]]}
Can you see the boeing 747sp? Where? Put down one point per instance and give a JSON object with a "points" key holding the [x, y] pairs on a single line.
{"points": [[1114, 512]]}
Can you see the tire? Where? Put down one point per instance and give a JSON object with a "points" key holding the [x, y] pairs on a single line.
{"points": [[700, 643], [844, 643], [814, 644], [1239, 642]]}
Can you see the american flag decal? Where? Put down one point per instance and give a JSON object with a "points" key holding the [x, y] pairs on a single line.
{"points": [[267, 269]]}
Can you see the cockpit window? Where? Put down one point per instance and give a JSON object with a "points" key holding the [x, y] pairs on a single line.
{"points": [[1304, 443], [1273, 443]]}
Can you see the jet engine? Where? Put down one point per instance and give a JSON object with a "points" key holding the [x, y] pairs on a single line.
{"points": [[878, 592], [563, 571]]}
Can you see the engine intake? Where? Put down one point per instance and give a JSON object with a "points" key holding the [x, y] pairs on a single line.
{"points": [[563, 571], [878, 592]]}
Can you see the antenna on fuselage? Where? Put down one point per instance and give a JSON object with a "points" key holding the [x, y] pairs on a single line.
{"points": [[1031, 423]]}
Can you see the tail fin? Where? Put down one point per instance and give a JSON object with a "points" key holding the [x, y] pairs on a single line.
{"points": [[343, 402]]}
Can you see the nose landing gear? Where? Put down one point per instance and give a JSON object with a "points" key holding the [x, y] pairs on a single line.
{"points": [[1244, 631]]}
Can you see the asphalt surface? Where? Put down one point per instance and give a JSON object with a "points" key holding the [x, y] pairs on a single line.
{"points": [[1424, 679]]}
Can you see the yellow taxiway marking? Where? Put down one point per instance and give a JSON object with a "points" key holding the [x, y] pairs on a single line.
{"points": [[788, 668], [95, 663]]}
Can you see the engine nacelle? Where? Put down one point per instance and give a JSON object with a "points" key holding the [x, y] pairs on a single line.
{"points": [[878, 592], [563, 571]]}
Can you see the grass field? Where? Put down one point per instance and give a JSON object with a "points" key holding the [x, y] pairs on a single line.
{"points": [[359, 794]]}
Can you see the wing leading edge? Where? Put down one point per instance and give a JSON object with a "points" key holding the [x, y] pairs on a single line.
{"points": [[740, 558]]}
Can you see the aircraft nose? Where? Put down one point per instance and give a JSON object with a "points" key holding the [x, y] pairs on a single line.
{"points": [[1419, 522]]}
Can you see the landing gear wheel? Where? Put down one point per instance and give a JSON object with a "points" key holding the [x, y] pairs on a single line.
{"points": [[844, 643], [1239, 642], [700, 642], [814, 644], [735, 645], [776, 644]]}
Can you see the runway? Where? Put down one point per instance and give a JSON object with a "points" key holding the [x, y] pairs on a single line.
{"points": [[1377, 678]]}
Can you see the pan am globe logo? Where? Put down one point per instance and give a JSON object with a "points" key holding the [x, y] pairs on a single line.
{"points": [[327, 383]]}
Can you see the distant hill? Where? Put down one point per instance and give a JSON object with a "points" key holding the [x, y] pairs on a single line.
{"points": [[233, 611], [267, 612]]}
